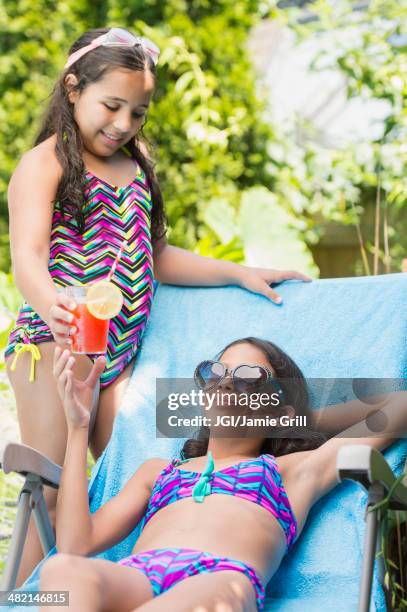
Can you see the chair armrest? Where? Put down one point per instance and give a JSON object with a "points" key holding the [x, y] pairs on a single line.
{"points": [[26, 460], [367, 465]]}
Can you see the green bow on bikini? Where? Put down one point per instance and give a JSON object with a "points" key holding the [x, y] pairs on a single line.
{"points": [[203, 486]]}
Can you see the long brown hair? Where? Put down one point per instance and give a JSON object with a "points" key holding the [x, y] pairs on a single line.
{"points": [[295, 395], [59, 119]]}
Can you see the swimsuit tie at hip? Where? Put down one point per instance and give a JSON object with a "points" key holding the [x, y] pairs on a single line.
{"points": [[22, 347], [203, 486]]}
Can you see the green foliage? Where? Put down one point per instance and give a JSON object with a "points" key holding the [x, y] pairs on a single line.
{"points": [[392, 546], [369, 48], [211, 141], [10, 486], [272, 234], [262, 229], [10, 297]]}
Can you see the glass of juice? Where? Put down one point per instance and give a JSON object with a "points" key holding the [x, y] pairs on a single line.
{"points": [[91, 332]]}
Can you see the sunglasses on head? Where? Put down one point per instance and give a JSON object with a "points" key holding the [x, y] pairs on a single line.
{"points": [[246, 378], [116, 37]]}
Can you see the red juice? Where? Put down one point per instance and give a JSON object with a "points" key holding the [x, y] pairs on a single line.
{"points": [[91, 334]]}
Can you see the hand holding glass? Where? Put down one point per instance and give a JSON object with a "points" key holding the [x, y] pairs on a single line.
{"points": [[96, 304]]}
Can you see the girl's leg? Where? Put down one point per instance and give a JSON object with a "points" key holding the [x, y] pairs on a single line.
{"points": [[109, 403], [225, 591], [42, 425], [94, 585]]}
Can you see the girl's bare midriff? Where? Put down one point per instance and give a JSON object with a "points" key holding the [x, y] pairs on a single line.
{"points": [[224, 526]]}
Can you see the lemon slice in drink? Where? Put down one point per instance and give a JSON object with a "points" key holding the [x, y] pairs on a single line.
{"points": [[104, 300]]}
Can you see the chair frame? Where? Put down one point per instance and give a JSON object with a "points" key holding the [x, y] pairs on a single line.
{"points": [[357, 462], [38, 471], [368, 467]]}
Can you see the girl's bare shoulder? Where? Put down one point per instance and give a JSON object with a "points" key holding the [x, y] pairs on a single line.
{"points": [[153, 467], [41, 163]]}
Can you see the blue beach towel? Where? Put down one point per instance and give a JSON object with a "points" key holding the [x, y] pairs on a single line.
{"points": [[333, 328]]}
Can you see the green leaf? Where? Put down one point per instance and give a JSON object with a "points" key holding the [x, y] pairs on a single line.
{"points": [[392, 564], [220, 216], [270, 234]]}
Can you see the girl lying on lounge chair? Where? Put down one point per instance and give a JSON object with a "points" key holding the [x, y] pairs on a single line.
{"points": [[241, 501]]}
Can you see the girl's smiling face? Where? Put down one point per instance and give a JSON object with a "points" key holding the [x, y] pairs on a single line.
{"points": [[110, 112]]}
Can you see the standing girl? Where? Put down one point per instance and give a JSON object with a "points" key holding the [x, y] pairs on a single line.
{"points": [[86, 190]]}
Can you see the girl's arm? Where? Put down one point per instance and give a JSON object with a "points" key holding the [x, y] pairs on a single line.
{"points": [[177, 266], [337, 417], [31, 194], [77, 530], [319, 465]]}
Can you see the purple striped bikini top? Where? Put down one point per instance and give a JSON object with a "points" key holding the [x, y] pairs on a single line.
{"points": [[256, 480]]}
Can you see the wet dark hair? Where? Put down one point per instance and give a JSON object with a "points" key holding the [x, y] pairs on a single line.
{"points": [[59, 119], [296, 395]]}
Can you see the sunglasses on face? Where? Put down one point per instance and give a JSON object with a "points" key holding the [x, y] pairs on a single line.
{"points": [[245, 378], [116, 37]]}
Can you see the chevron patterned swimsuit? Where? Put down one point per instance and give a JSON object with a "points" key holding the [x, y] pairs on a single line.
{"points": [[112, 215], [255, 480]]}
